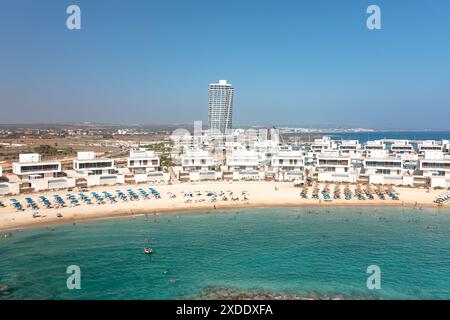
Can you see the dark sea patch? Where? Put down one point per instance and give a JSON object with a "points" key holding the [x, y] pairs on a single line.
{"points": [[34, 237], [234, 293]]}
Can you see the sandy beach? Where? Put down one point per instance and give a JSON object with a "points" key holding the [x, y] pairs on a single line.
{"points": [[259, 194]]}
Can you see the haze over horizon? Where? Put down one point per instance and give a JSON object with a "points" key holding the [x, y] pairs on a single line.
{"points": [[310, 63], [190, 125]]}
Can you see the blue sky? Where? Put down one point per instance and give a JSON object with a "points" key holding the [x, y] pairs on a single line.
{"points": [[296, 62]]}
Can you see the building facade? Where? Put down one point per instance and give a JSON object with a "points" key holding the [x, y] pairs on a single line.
{"points": [[6, 187], [220, 107], [96, 171], [40, 175], [144, 165]]}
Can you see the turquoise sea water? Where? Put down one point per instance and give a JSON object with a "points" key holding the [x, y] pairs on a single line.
{"points": [[293, 251]]}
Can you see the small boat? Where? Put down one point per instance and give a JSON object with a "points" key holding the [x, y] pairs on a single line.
{"points": [[148, 250]]}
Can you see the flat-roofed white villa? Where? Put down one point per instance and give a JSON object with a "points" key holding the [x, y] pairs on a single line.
{"points": [[266, 147], [197, 165], [232, 145], [288, 165], [96, 171], [144, 165], [375, 145], [335, 167], [6, 186], [182, 139], [383, 168], [38, 175], [402, 146], [244, 165], [324, 144], [349, 146], [430, 145], [436, 166]]}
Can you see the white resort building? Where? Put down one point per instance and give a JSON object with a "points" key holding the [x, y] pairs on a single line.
{"points": [[349, 147], [37, 175], [383, 168], [374, 145], [430, 145], [144, 165], [324, 144], [244, 165], [288, 165], [436, 167], [402, 146], [6, 186], [96, 171], [335, 167], [197, 165]]}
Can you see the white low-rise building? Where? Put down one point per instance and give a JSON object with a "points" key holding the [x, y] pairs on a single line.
{"points": [[288, 165], [142, 161], [430, 145], [183, 140], [335, 167], [6, 187], [349, 147], [145, 165], [41, 175], [436, 166], [374, 145], [244, 165], [242, 160], [383, 168], [197, 160], [402, 146], [197, 165], [96, 171], [325, 144]]}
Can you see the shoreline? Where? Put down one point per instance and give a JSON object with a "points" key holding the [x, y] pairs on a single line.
{"points": [[261, 195], [108, 215]]}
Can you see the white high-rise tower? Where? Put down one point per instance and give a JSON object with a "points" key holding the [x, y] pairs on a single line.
{"points": [[220, 106]]}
